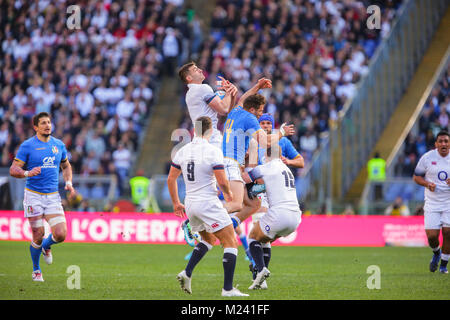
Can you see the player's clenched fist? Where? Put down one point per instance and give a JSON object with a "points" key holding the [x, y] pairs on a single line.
{"points": [[34, 172], [431, 186]]}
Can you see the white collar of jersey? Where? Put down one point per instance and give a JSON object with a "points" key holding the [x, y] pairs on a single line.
{"points": [[198, 140], [194, 84]]}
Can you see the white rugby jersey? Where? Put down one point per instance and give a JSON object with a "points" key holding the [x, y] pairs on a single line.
{"points": [[280, 184], [197, 160], [197, 99], [435, 168]]}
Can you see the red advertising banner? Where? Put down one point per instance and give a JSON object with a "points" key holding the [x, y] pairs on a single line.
{"points": [[164, 228]]}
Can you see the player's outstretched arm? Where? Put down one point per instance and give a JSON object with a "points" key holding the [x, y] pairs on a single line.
{"points": [[178, 207], [297, 162], [16, 170], [262, 83], [266, 140]]}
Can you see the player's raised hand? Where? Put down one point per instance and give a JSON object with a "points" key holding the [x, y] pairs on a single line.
{"points": [[264, 83], [287, 130], [178, 209], [34, 172], [232, 90]]}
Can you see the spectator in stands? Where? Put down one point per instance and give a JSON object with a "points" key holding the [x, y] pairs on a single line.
{"points": [[122, 163], [313, 51], [80, 76], [397, 208]]}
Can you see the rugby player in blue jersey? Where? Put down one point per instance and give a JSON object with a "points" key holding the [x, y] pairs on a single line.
{"points": [[38, 160], [240, 127]]}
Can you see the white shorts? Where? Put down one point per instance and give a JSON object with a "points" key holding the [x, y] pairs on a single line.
{"points": [[435, 220], [280, 223], [36, 204], [207, 215], [232, 170]]}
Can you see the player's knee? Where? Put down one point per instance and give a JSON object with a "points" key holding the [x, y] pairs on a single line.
{"points": [[38, 235], [230, 242], [59, 235]]}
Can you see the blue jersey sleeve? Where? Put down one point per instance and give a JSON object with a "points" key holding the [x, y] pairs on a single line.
{"points": [[23, 153], [287, 149], [64, 152]]}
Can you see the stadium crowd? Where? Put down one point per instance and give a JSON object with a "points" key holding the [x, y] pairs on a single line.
{"points": [[434, 117], [98, 82], [313, 51]]}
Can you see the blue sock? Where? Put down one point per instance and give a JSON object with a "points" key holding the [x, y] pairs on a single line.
{"points": [[235, 221], [48, 242], [244, 242], [35, 256]]}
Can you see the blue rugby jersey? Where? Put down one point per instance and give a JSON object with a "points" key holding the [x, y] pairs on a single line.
{"points": [[238, 130], [47, 155], [287, 150]]}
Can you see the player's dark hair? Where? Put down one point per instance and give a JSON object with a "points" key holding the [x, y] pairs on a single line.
{"points": [[442, 133], [40, 115], [202, 125], [254, 101], [184, 70]]}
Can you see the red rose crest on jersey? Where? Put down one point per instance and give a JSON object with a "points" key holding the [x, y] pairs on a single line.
{"points": [[214, 225]]}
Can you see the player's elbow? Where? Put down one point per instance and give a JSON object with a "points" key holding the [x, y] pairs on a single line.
{"points": [[13, 172], [223, 109]]}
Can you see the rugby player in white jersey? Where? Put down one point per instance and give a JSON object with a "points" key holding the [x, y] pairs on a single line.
{"points": [[283, 215], [433, 173], [202, 167], [202, 101], [290, 156]]}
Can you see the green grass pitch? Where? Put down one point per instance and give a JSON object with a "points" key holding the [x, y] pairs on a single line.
{"points": [[147, 272]]}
